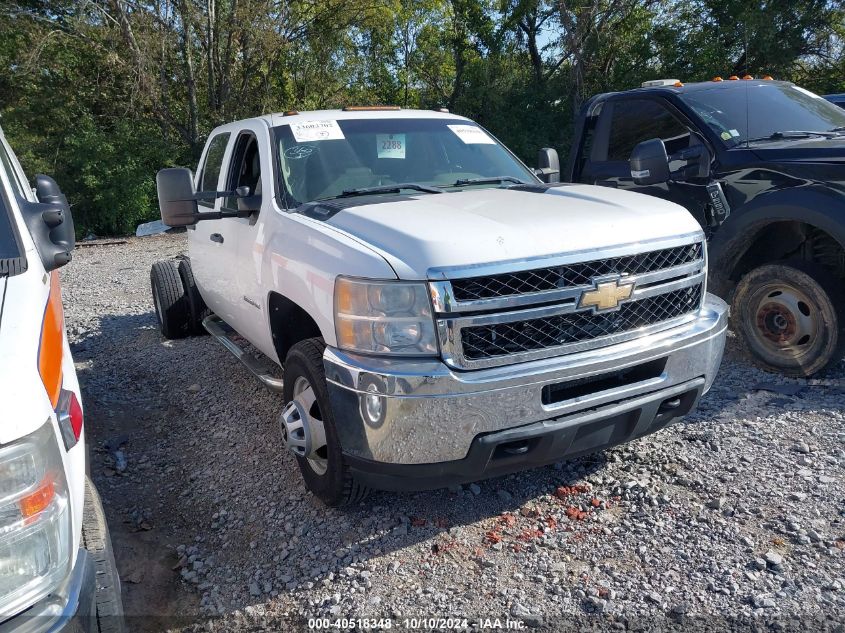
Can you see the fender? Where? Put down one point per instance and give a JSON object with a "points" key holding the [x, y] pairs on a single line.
{"points": [[817, 205]]}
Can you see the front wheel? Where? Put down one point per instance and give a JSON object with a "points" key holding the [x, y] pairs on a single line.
{"points": [[790, 317], [308, 427]]}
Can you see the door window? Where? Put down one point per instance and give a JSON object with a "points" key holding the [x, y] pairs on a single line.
{"points": [[246, 168], [639, 120], [210, 170]]}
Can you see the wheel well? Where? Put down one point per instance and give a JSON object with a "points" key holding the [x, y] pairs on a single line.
{"points": [[790, 240], [289, 324]]}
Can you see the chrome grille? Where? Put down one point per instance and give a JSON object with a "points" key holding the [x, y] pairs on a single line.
{"points": [[578, 274], [503, 339]]}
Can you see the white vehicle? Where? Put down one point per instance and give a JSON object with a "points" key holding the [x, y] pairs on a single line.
{"points": [[441, 314], [57, 569]]}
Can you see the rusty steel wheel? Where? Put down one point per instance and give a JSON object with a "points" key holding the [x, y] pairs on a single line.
{"points": [[789, 317]]}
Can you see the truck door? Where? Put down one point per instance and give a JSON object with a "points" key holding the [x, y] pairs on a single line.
{"points": [[622, 124], [206, 239], [251, 167]]}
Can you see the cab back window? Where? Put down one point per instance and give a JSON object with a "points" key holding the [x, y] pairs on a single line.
{"points": [[638, 120]]}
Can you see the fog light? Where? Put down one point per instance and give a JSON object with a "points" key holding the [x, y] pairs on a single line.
{"points": [[373, 406]]}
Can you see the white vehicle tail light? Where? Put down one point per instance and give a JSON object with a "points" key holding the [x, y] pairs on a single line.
{"points": [[35, 536]]}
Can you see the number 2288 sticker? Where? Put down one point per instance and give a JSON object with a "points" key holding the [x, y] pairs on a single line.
{"points": [[390, 145]]}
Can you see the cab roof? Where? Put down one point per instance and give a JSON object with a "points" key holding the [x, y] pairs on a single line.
{"points": [[725, 84], [280, 118]]}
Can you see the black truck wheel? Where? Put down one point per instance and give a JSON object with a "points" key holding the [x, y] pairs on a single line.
{"points": [[790, 317], [171, 303], [197, 309], [308, 427], [95, 539]]}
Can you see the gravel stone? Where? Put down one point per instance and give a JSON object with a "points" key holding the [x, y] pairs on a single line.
{"points": [[706, 511]]}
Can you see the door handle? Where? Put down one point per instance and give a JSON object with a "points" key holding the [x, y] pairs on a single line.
{"points": [[216, 237]]}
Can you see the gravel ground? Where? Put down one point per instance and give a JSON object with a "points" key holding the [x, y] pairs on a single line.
{"points": [[730, 519]]}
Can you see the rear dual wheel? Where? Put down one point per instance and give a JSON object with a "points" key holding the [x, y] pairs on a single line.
{"points": [[179, 307], [790, 317]]}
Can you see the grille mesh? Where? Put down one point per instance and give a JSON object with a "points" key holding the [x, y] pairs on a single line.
{"points": [[500, 339], [579, 274]]}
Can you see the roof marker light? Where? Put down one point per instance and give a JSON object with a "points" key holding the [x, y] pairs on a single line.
{"points": [[678, 84], [733, 78], [747, 77], [717, 78], [290, 112], [767, 78]]}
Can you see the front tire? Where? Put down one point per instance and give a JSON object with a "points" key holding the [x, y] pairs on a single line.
{"points": [[790, 317], [95, 539], [171, 304], [324, 470]]}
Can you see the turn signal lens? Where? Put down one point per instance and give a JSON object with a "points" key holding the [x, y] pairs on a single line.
{"points": [[52, 341], [37, 501]]}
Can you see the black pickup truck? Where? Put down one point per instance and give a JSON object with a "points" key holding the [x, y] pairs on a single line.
{"points": [[761, 165]]}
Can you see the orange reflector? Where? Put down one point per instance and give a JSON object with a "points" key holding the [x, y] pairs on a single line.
{"points": [[747, 77], [717, 78], [37, 501], [733, 78], [767, 78], [678, 84], [52, 341], [374, 108], [290, 112]]}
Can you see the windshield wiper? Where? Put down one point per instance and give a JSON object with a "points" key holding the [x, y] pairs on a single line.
{"points": [[366, 191], [787, 134], [463, 182], [840, 128]]}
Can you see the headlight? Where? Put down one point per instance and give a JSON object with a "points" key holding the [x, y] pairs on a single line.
{"points": [[384, 317], [35, 538]]}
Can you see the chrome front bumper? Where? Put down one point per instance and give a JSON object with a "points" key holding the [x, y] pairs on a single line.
{"points": [[429, 413]]}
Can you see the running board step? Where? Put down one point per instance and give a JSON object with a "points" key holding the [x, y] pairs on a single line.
{"points": [[219, 329]]}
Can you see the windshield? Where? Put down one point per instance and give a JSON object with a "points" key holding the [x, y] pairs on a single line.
{"points": [[323, 159], [759, 111]]}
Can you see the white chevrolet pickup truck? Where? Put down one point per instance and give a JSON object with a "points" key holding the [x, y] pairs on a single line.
{"points": [[442, 313], [57, 570]]}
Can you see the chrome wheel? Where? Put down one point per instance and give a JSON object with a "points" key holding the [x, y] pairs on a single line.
{"points": [[303, 428]]}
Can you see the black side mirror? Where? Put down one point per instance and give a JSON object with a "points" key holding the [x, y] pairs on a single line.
{"points": [[177, 199], [649, 163], [50, 223], [697, 159], [548, 165]]}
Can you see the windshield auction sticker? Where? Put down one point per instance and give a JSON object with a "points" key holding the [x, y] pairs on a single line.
{"points": [[390, 145], [307, 131], [471, 135]]}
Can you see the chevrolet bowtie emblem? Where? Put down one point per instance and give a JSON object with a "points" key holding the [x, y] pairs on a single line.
{"points": [[607, 295]]}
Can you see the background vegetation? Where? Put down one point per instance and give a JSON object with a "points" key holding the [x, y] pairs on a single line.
{"points": [[103, 93]]}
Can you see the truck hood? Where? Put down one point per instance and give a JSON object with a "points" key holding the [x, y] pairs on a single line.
{"points": [[416, 234]]}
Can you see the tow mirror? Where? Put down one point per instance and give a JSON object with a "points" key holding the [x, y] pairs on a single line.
{"points": [[697, 159], [177, 199], [50, 223], [548, 165], [649, 163]]}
